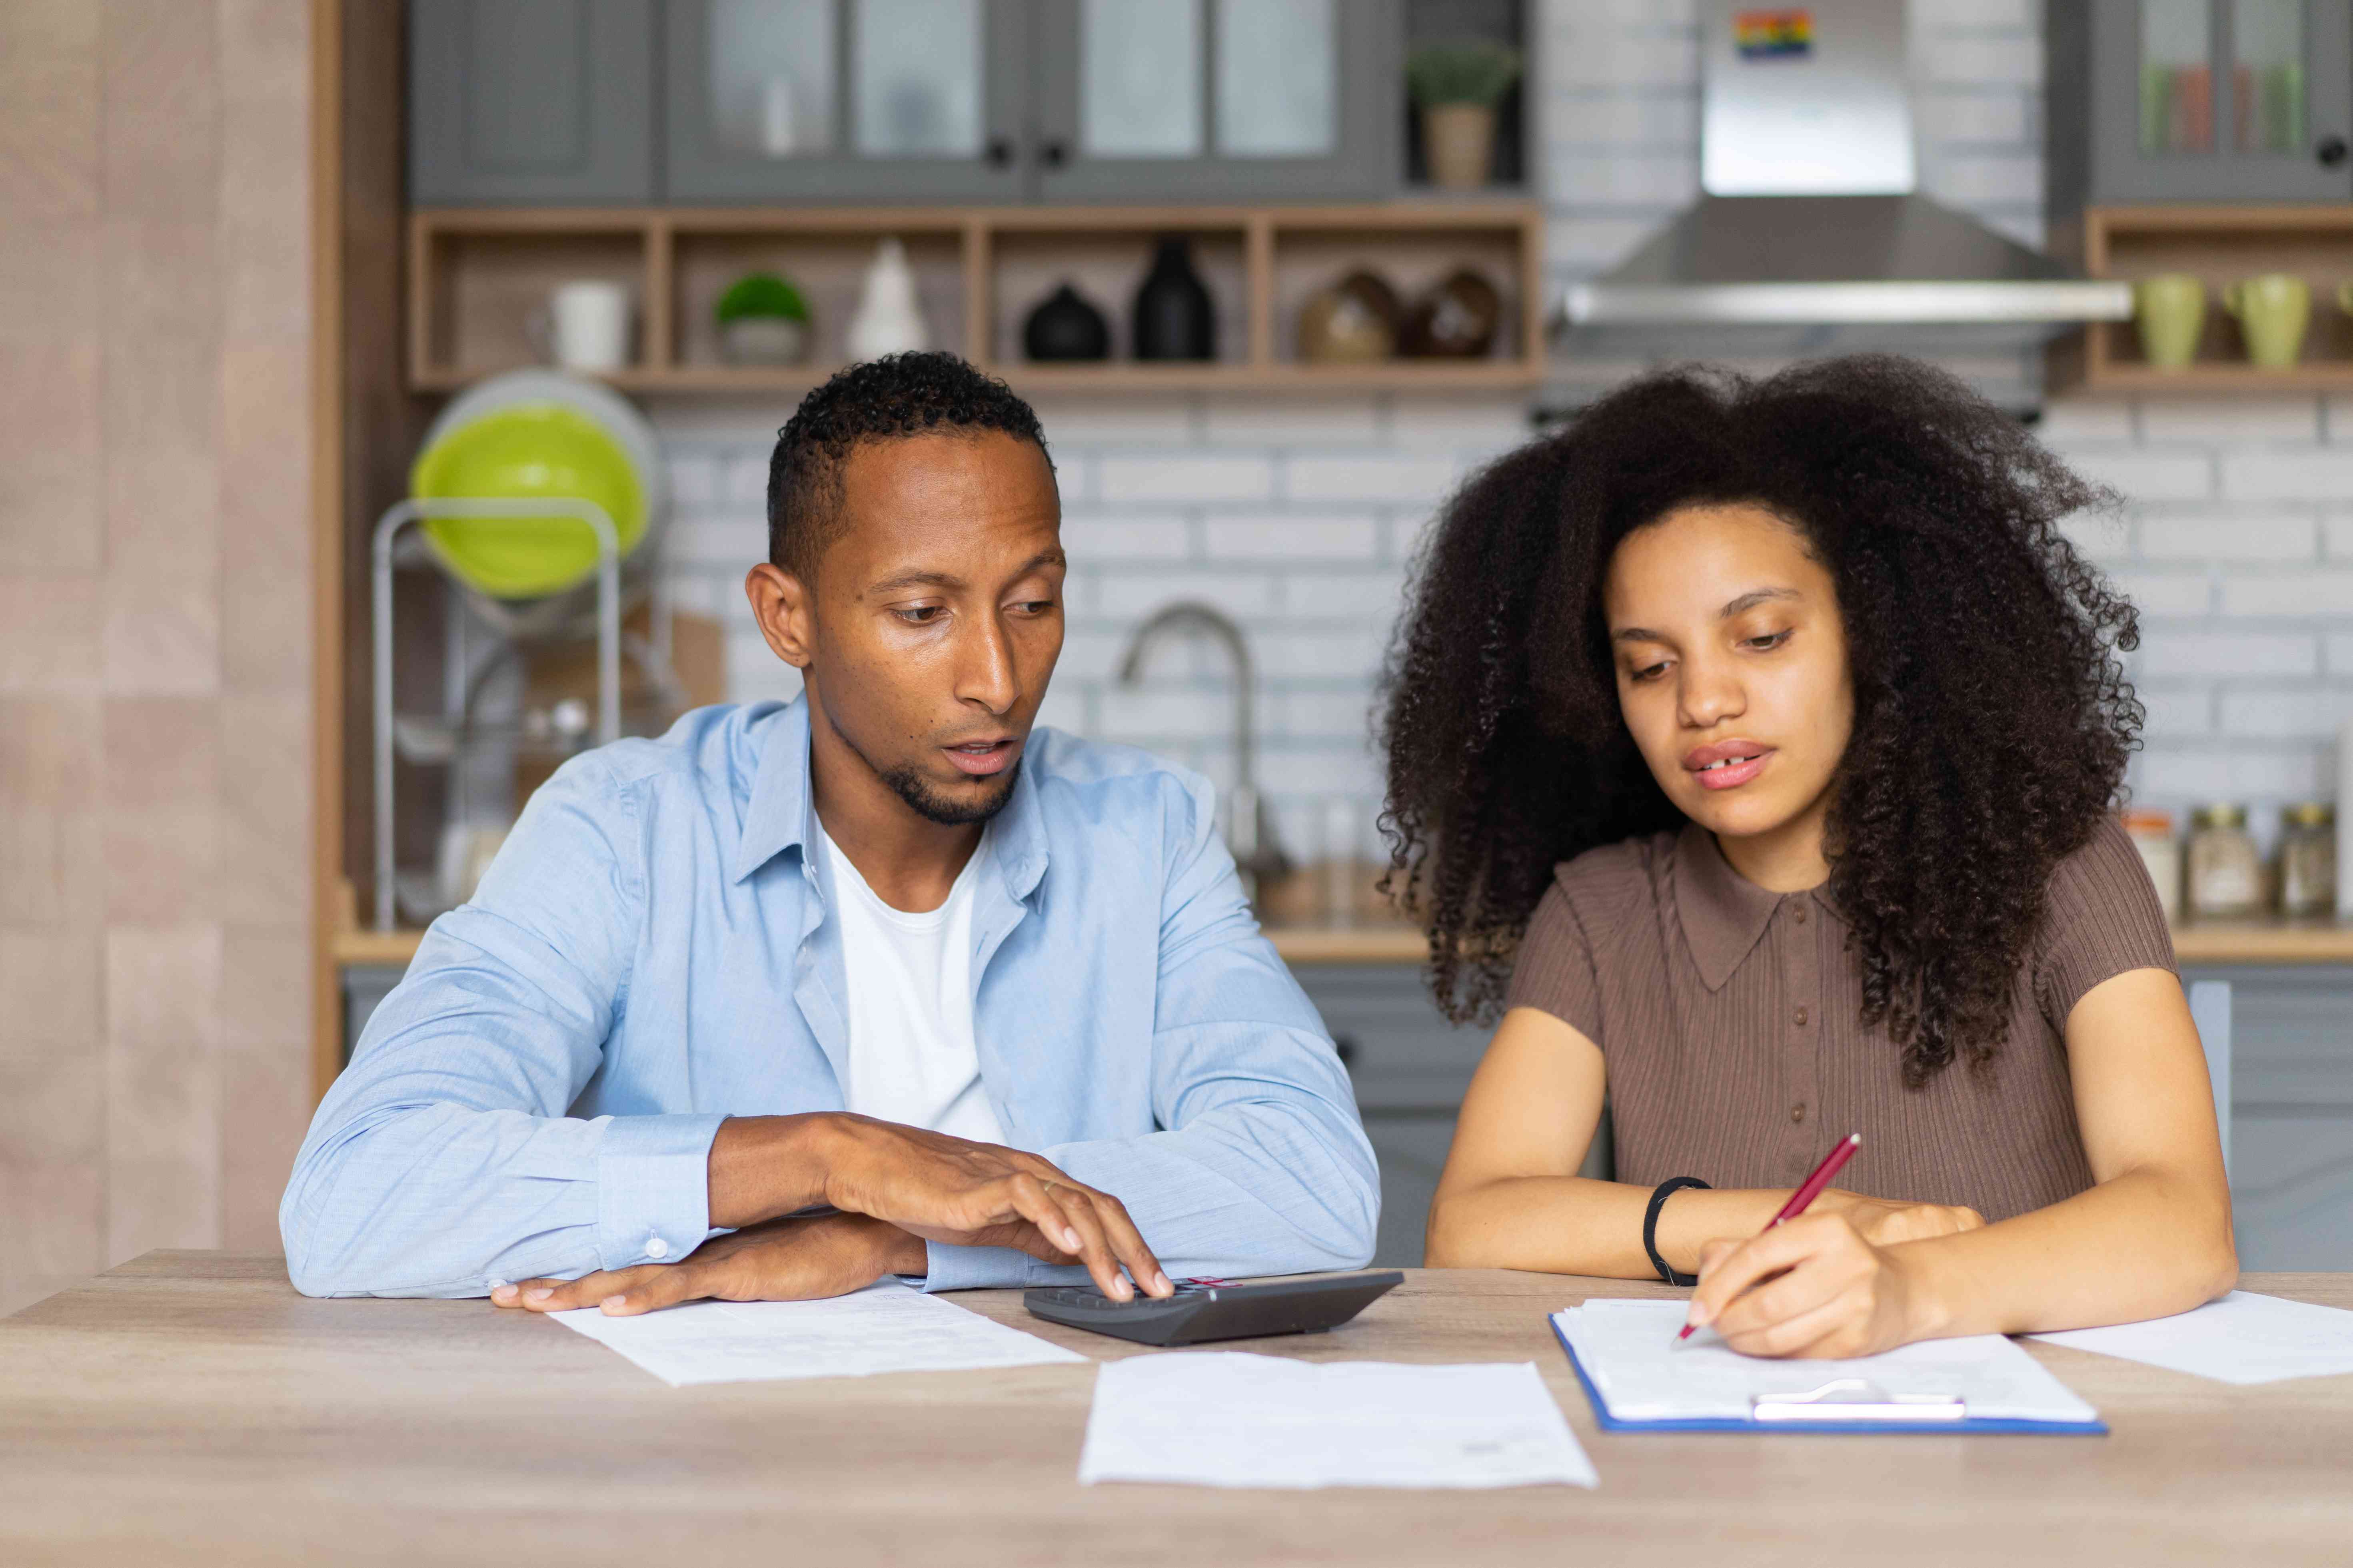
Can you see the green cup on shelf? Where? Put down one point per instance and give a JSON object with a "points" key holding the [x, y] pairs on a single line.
{"points": [[2273, 309], [2170, 308]]}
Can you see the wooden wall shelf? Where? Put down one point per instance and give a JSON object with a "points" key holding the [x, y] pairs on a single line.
{"points": [[2220, 245], [476, 274]]}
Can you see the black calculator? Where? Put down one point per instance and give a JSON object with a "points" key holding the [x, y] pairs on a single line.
{"points": [[1204, 1310]]}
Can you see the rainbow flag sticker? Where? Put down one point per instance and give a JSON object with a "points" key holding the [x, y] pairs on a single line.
{"points": [[1773, 35]]}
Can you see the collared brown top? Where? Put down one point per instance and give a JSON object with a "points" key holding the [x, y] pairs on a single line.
{"points": [[1730, 1019]]}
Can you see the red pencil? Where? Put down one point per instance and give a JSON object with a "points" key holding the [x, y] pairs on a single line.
{"points": [[1810, 1189]]}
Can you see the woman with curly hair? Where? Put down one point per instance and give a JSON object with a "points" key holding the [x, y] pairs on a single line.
{"points": [[1752, 752]]}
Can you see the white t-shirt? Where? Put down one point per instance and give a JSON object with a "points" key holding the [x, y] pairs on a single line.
{"points": [[912, 1057]]}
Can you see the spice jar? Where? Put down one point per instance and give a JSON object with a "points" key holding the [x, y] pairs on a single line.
{"points": [[2226, 874], [2307, 860], [2152, 834]]}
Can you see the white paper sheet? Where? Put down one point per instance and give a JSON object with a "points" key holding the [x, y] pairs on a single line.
{"points": [[1630, 1353], [887, 1327], [1223, 1418], [2243, 1338]]}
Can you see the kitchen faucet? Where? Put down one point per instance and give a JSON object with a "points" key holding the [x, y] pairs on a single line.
{"points": [[1250, 831]]}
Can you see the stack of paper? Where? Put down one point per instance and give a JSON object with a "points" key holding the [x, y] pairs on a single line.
{"points": [[1226, 1419], [2243, 1338], [886, 1327], [1630, 1354]]}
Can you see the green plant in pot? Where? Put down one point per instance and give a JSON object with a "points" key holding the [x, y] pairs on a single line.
{"points": [[762, 319], [1457, 85]]}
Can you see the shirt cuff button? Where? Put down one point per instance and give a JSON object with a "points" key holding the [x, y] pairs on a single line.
{"points": [[656, 1248]]}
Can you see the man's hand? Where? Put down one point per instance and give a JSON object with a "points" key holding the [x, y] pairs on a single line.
{"points": [[1812, 1287], [981, 1194], [785, 1260]]}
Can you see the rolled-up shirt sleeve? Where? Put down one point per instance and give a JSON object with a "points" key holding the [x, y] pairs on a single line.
{"points": [[442, 1162]]}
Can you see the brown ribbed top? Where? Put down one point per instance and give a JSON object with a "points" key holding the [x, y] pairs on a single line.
{"points": [[1729, 1018]]}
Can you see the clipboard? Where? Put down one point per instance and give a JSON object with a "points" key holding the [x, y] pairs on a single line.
{"points": [[1841, 1405]]}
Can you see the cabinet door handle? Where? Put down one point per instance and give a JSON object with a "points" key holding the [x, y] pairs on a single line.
{"points": [[1054, 152], [1000, 152], [2330, 152]]}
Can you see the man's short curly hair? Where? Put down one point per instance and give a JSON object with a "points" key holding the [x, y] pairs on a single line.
{"points": [[1992, 722], [877, 400]]}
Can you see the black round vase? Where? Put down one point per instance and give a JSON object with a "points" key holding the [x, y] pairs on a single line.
{"points": [[1065, 327], [1173, 318]]}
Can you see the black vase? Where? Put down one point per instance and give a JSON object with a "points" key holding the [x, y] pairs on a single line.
{"points": [[1065, 327], [1173, 318]]}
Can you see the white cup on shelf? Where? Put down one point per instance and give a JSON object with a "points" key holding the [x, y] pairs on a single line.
{"points": [[587, 326]]}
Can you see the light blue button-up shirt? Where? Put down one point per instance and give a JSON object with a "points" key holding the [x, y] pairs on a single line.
{"points": [[650, 953]]}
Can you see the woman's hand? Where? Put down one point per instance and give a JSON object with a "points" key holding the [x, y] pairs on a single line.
{"points": [[1884, 1222], [784, 1260], [1820, 1290]]}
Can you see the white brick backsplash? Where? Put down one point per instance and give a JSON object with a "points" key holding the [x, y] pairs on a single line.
{"points": [[1311, 714], [2338, 532], [1090, 654], [2073, 421], [1160, 480], [2287, 712], [748, 481], [1141, 419], [1131, 594], [2142, 475], [694, 479], [2100, 537], [1578, 123], [1337, 420], [2233, 535], [1935, 18], [1305, 769], [1090, 537], [2340, 653], [1626, 180], [2267, 776], [1973, 178], [1354, 651], [1586, 244], [1600, 53], [2166, 593], [1278, 537], [1371, 477], [1343, 595], [1959, 58], [721, 541], [1064, 707], [1947, 116], [2229, 419], [1458, 419], [754, 670], [2177, 710], [2289, 593], [2319, 476], [1141, 715], [2188, 653]]}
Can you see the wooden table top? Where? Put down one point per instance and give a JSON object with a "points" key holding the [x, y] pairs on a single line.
{"points": [[191, 1407]]}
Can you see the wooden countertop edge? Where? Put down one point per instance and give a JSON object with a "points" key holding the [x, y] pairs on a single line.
{"points": [[1403, 944]]}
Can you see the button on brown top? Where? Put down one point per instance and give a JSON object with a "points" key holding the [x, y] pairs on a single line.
{"points": [[1661, 955]]}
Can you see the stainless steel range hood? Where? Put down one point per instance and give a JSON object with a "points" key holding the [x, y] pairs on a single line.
{"points": [[1810, 235]]}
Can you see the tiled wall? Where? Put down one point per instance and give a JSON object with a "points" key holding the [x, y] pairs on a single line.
{"points": [[1299, 516], [154, 667]]}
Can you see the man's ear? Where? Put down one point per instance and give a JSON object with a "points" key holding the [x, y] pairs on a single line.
{"points": [[784, 607]]}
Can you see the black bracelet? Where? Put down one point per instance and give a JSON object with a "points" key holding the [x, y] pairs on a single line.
{"points": [[1650, 1226]]}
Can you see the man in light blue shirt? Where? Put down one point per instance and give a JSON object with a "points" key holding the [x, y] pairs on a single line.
{"points": [[629, 1070]]}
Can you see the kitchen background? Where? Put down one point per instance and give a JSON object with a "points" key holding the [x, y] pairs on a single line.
{"points": [[156, 990]]}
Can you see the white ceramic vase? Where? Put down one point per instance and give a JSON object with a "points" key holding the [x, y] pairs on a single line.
{"points": [[889, 320]]}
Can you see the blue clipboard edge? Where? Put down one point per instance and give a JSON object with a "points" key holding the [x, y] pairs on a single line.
{"points": [[1609, 1423]]}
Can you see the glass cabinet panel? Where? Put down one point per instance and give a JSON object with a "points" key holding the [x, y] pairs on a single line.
{"points": [[771, 65], [1140, 79], [2176, 78], [1278, 78], [916, 70], [2267, 75]]}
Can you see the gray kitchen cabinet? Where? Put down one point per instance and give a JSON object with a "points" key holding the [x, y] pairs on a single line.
{"points": [[2291, 1113], [1150, 100], [2217, 101], [531, 101], [849, 100]]}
